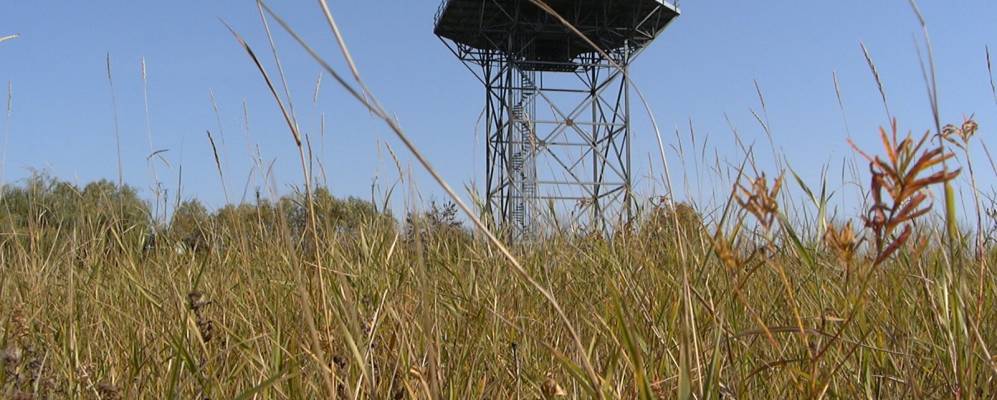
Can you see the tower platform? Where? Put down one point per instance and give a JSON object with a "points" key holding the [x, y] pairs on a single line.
{"points": [[522, 30]]}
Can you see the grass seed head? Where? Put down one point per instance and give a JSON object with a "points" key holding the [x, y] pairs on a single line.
{"points": [[842, 241], [969, 128], [951, 132], [197, 301], [960, 135], [552, 389], [206, 327], [759, 200]]}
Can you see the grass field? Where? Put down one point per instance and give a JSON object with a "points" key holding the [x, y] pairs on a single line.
{"points": [[309, 296], [240, 303]]}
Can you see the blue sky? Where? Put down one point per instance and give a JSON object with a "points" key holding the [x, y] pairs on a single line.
{"points": [[702, 69]]}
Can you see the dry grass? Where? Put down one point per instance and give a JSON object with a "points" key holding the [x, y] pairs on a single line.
{"points": [[84, 310]]}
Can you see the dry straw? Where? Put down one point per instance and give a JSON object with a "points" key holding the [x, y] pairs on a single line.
{"points": [[364, 96]]}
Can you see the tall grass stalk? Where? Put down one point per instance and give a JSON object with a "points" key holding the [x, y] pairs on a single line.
{"points": [[8, 113], [372, 105], [306, 299], [117, 129]]}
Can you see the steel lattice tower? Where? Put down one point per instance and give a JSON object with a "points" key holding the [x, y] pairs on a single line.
{"points": [[557, 110]]}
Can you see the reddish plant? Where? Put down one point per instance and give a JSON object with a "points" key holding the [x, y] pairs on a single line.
{"points": [[899, 187]]}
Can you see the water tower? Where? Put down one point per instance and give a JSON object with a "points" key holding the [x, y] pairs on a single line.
{"points": [[557, 110]]}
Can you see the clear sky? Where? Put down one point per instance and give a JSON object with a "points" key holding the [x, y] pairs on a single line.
{"points": [[702, 69]]}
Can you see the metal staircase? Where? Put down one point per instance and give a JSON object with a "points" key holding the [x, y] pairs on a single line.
{"points": [[523, 158]]}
